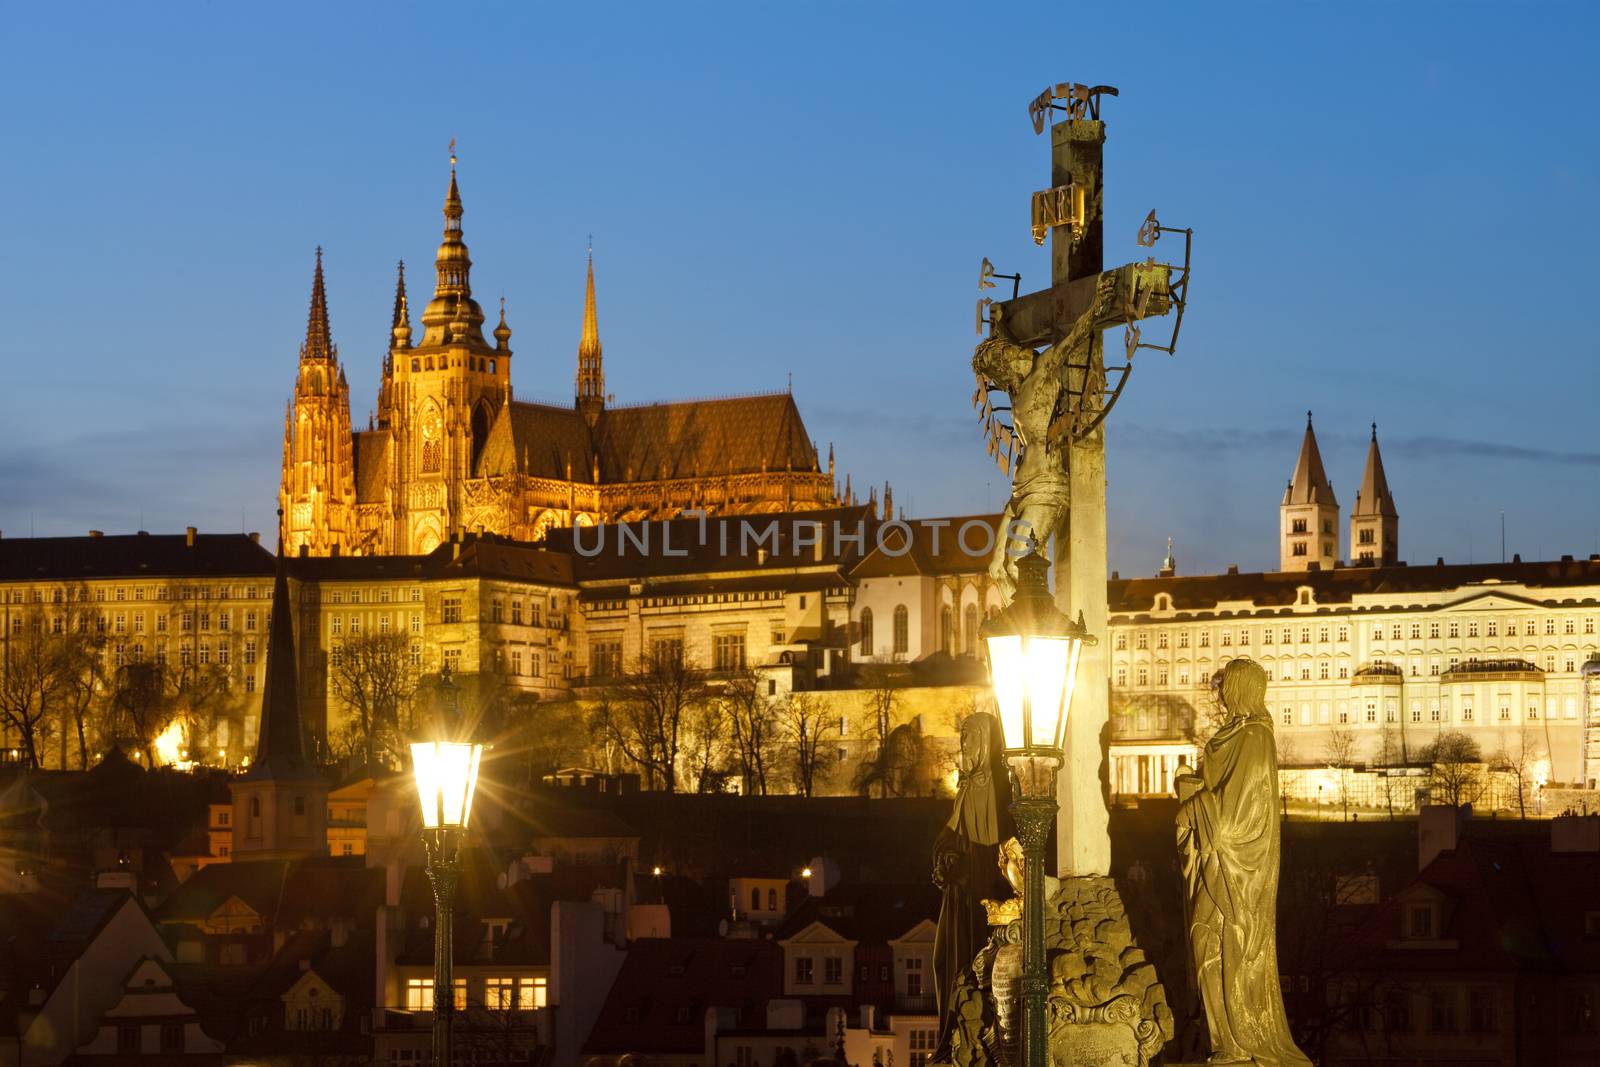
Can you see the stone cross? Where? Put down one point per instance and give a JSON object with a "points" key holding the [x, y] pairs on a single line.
{"points": [[1071, 212]]}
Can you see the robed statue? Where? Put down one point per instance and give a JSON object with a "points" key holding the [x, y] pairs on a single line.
{"points": [[964, 858], [1228, 837]]}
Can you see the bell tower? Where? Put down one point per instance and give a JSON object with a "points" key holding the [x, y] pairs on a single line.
{"points": [[443, 393], [1374, 521], [1308, 518], [317, 491]]}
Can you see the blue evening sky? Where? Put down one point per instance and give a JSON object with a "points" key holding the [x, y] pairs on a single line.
{"points": [[1394, 207]]}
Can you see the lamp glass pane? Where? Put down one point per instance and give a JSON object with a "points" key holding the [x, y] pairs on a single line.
{"points": [[1047, 661], [1008, 675], [425, 769], [472, 783]]}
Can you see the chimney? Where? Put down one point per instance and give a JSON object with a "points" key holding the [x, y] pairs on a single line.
{"points": [[188, 536], [869, 1013], [1438, 828], [102, 533], [761, 557], [1233, 568], [255, 537]]}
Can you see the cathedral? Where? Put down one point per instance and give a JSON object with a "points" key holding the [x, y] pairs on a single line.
{"points": [[450, 450]]}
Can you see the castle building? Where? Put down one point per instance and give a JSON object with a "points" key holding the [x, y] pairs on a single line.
{"points": [[1368, 661], [450, 449]]}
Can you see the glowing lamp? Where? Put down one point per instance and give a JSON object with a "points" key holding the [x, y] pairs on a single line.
{"points": [[1034, 650], [446, 773]]}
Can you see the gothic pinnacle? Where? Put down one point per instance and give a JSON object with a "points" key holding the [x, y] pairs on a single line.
{"points": [[319, 338]]}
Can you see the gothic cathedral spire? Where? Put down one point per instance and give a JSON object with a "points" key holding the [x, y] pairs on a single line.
{"points": [[452, 314], [1308, 517], [317, 488], [1374, 521], [591, 391]]}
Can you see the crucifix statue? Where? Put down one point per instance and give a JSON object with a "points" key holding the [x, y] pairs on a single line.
{"points": [[1045, 351]]}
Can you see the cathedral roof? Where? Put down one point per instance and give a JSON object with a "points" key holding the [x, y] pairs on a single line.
{"points": [[537, 440], [1310, 483], [699, 438], [1374, 497]]}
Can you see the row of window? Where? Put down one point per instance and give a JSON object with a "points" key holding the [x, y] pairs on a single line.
{"points": [[1292, 670], [1398, 631], [337, 624], [82, 594], [1465, 711], [727, 652], [500, 993], [833, 972], [121, 622]]}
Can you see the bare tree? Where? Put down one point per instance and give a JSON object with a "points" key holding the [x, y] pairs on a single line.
{"points": [[1457, 768], [1519, 764], [706, 746], [879, 686], [372, 676], [754, 725], [139, 700], [806, 725], [1341, 750], [83, 679], [29, 681], [642, 713]]}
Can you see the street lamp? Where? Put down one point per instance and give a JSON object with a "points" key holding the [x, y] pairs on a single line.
{"points": [[1033, 666], [446, 772]]}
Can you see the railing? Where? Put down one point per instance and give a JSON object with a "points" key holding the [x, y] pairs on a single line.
{"points": [[914, 1003]]}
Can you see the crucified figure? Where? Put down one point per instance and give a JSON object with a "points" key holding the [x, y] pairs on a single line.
{"points": [[1042, 417]]}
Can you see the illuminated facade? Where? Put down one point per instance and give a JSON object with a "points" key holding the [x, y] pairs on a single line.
{"points": [[450, 450]]}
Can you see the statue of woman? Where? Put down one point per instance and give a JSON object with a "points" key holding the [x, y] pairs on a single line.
{"points": [[964, 866], [1228, 838]]}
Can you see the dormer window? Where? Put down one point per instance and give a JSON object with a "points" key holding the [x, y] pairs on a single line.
{"points": [[1421, 921]]}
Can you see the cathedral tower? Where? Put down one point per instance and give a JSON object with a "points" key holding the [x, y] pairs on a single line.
{"points": [[591, 382], [280, 806], [441, 397], [317, 491], [1308, 518], [1374, 521]]}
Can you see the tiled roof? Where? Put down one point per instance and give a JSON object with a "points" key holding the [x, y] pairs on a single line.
{"points": [[658, 1001], [934, 549], [1340, 585], [696, 438], [875, 914], [141, 555], [475, 555], [538, 440]]}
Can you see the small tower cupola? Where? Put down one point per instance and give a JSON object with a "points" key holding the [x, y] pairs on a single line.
{"points": [[502, 332], [1308, 517], [1374, 520]]}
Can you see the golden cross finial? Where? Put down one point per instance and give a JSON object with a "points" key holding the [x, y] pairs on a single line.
{"points": [[452, 153], [591, 244]]}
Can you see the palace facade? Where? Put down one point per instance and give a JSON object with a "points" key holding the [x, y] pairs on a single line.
{"points": [[450, 450]]}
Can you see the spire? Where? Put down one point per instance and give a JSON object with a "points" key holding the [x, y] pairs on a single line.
{"points": [[1310, 483], [280, 748], [319, 338], [1169, 565], [502, 332], [1374, 497], [591, 381], [452, 292], [400, 323]]}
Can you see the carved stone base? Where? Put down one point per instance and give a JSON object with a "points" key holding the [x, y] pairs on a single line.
{"points": [[1107, 1006]]}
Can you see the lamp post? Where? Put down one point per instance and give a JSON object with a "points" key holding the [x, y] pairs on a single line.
{"points": [[1033, 666], [446, 771]]}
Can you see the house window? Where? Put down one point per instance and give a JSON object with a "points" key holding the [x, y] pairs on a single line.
{"points": [[727, 651], [605, 658], [866, 632], [499, 993], [921, 1045], [914, 976], [451, 609], [128, 1040], [803, 970], [1442, 1011], [833, 970], [1142, 640], [1122, 642], [1419, 921], [419, 994], [1480, 1011], [902, 630]]}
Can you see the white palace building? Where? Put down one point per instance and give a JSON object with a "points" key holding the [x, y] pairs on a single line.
{"points": [[1369, 659]]}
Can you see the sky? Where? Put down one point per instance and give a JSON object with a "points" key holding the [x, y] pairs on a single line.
{"points": [[1391, 205]]}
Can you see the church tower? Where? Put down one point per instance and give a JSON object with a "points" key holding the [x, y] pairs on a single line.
{"points": [[317, 492], [1374, 521], [1308, 518], [280, 806], [591, 382], [441, 397]]}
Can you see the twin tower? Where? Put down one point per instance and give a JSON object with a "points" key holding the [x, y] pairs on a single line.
{"points": [[1308, 518]]}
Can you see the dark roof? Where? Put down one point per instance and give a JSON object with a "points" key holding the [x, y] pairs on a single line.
{"points": [[140, 555], [286, 893], [474, 555], [658, 1001], [1202, 593], [933, 549], [663, 549], [874, 914]]}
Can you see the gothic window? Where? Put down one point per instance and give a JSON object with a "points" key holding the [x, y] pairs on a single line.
{"points": [[946, 630], [866, 632], [969, 624], [480, 430], [902, 630], [431, 433]]}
